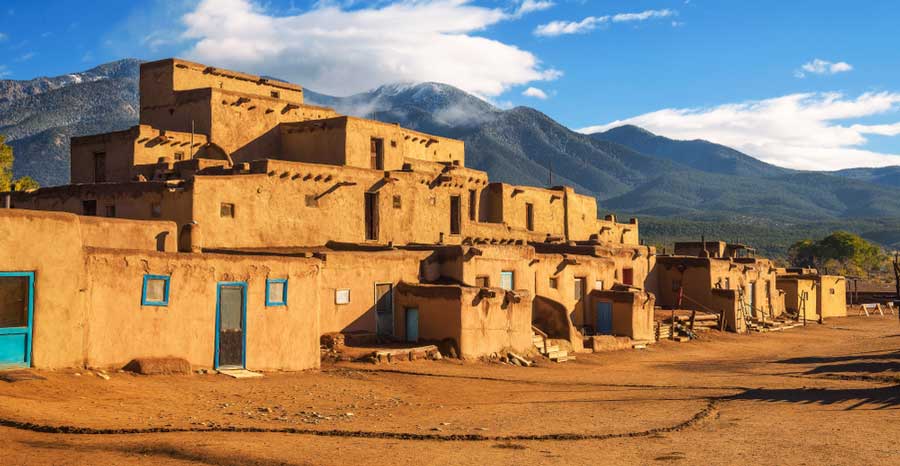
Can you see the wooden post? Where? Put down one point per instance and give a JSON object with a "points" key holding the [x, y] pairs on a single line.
{"points": [[693, 314]]}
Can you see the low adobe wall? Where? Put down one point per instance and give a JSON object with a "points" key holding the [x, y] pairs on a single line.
{"points": [[145, 235], [120, 328], [632, 312]]}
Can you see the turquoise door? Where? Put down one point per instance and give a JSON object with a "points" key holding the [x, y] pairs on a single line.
{"points": [[604, 319], [16, 315], [412, 325]]}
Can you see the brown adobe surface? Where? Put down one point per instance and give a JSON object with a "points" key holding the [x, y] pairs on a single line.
{"points": [[820, 395]]}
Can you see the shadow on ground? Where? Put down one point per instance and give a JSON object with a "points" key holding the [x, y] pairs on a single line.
{"points": [[859, 398]]}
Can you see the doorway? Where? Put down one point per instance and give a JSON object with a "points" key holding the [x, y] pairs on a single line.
{"points": [[231, 325], [604, 318], [384, 310], [16, 317], [454, 215], [371, 216], [412, 325]]}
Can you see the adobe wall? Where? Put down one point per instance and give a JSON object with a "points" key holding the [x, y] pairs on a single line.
{"points": [[49, 244], [292, 204], [120, 328], [144, 235], [318, 141], [632, 313], [832, 296], [118, 148], [131, 200], [359, 272], [793, 287], [481, 325], [159, 79], [582, 215], [549, 208]]}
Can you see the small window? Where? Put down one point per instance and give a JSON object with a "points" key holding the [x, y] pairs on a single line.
{"points": [[727, 283], [483, 281], [156, 210], [554, 282], [598, 285], [831, 290], [179, 156], [342, 296], [89, 207], [312, 201], [156, 290], [397, 202], [529, 217], [507, 280], [276, 292], [579, 289], [628, 276], [393, 143], [275, 94], [226, 210], [110, 210]]}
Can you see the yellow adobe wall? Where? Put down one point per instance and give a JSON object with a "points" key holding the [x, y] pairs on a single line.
{"points": [[632, 312], [120, 328], [509, 206], [144, 235]]}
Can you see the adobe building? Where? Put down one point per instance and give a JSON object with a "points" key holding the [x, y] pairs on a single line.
{"points": [[235, 225], [710, 276], [811, 296]]}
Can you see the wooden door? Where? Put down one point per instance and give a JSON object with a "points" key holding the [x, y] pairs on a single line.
{"points": [[412, 325], [604, 318]]}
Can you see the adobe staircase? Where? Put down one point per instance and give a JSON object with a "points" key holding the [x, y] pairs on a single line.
{"points": [[545, 346]]}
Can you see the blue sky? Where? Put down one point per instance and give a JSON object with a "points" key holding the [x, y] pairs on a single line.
{"points": [[806, 84]]}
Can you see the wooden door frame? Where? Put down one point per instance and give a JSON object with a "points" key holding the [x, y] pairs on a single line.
{"points": [[27, 330], [219, 286]]}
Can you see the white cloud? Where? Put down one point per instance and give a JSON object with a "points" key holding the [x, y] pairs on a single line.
{"points": [[3, 37], [339, 51], [530, 6], [819, 66], [535, 92], [812, 131], [558, 28], [642, 16]]}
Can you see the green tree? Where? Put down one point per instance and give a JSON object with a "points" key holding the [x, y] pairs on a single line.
{"points": [[839, 252], [7, 182]]}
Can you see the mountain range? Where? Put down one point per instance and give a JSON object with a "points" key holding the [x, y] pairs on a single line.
{"points": [[680, 189]]}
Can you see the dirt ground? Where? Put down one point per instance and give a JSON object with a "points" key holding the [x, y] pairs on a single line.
{"points": [[824, 394]]}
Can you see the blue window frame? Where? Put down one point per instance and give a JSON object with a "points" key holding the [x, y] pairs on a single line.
{"points": [[276, 292], [155, 291]]}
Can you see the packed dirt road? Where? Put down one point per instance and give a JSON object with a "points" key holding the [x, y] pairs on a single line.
{"points": [[824, 394]]}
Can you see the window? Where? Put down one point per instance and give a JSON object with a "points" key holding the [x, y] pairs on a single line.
{"points": [[529, 216], [89, 207], [507, 280], [226, 210], [831, 291], [110, 210], [454, 215], [598, 285], [342, 296], [473, 205], [483, 281], [179, 156], [397, 202], [377, 154], [727, 283], [554, 282], [156, 210], [275, 94], [276, 292], [579, 289], [312, 201], [628, 276], [99, 167], [371, 216], [155, 291]]}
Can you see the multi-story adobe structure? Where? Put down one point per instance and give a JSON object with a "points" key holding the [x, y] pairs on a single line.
{"points": [[235, 225]]}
